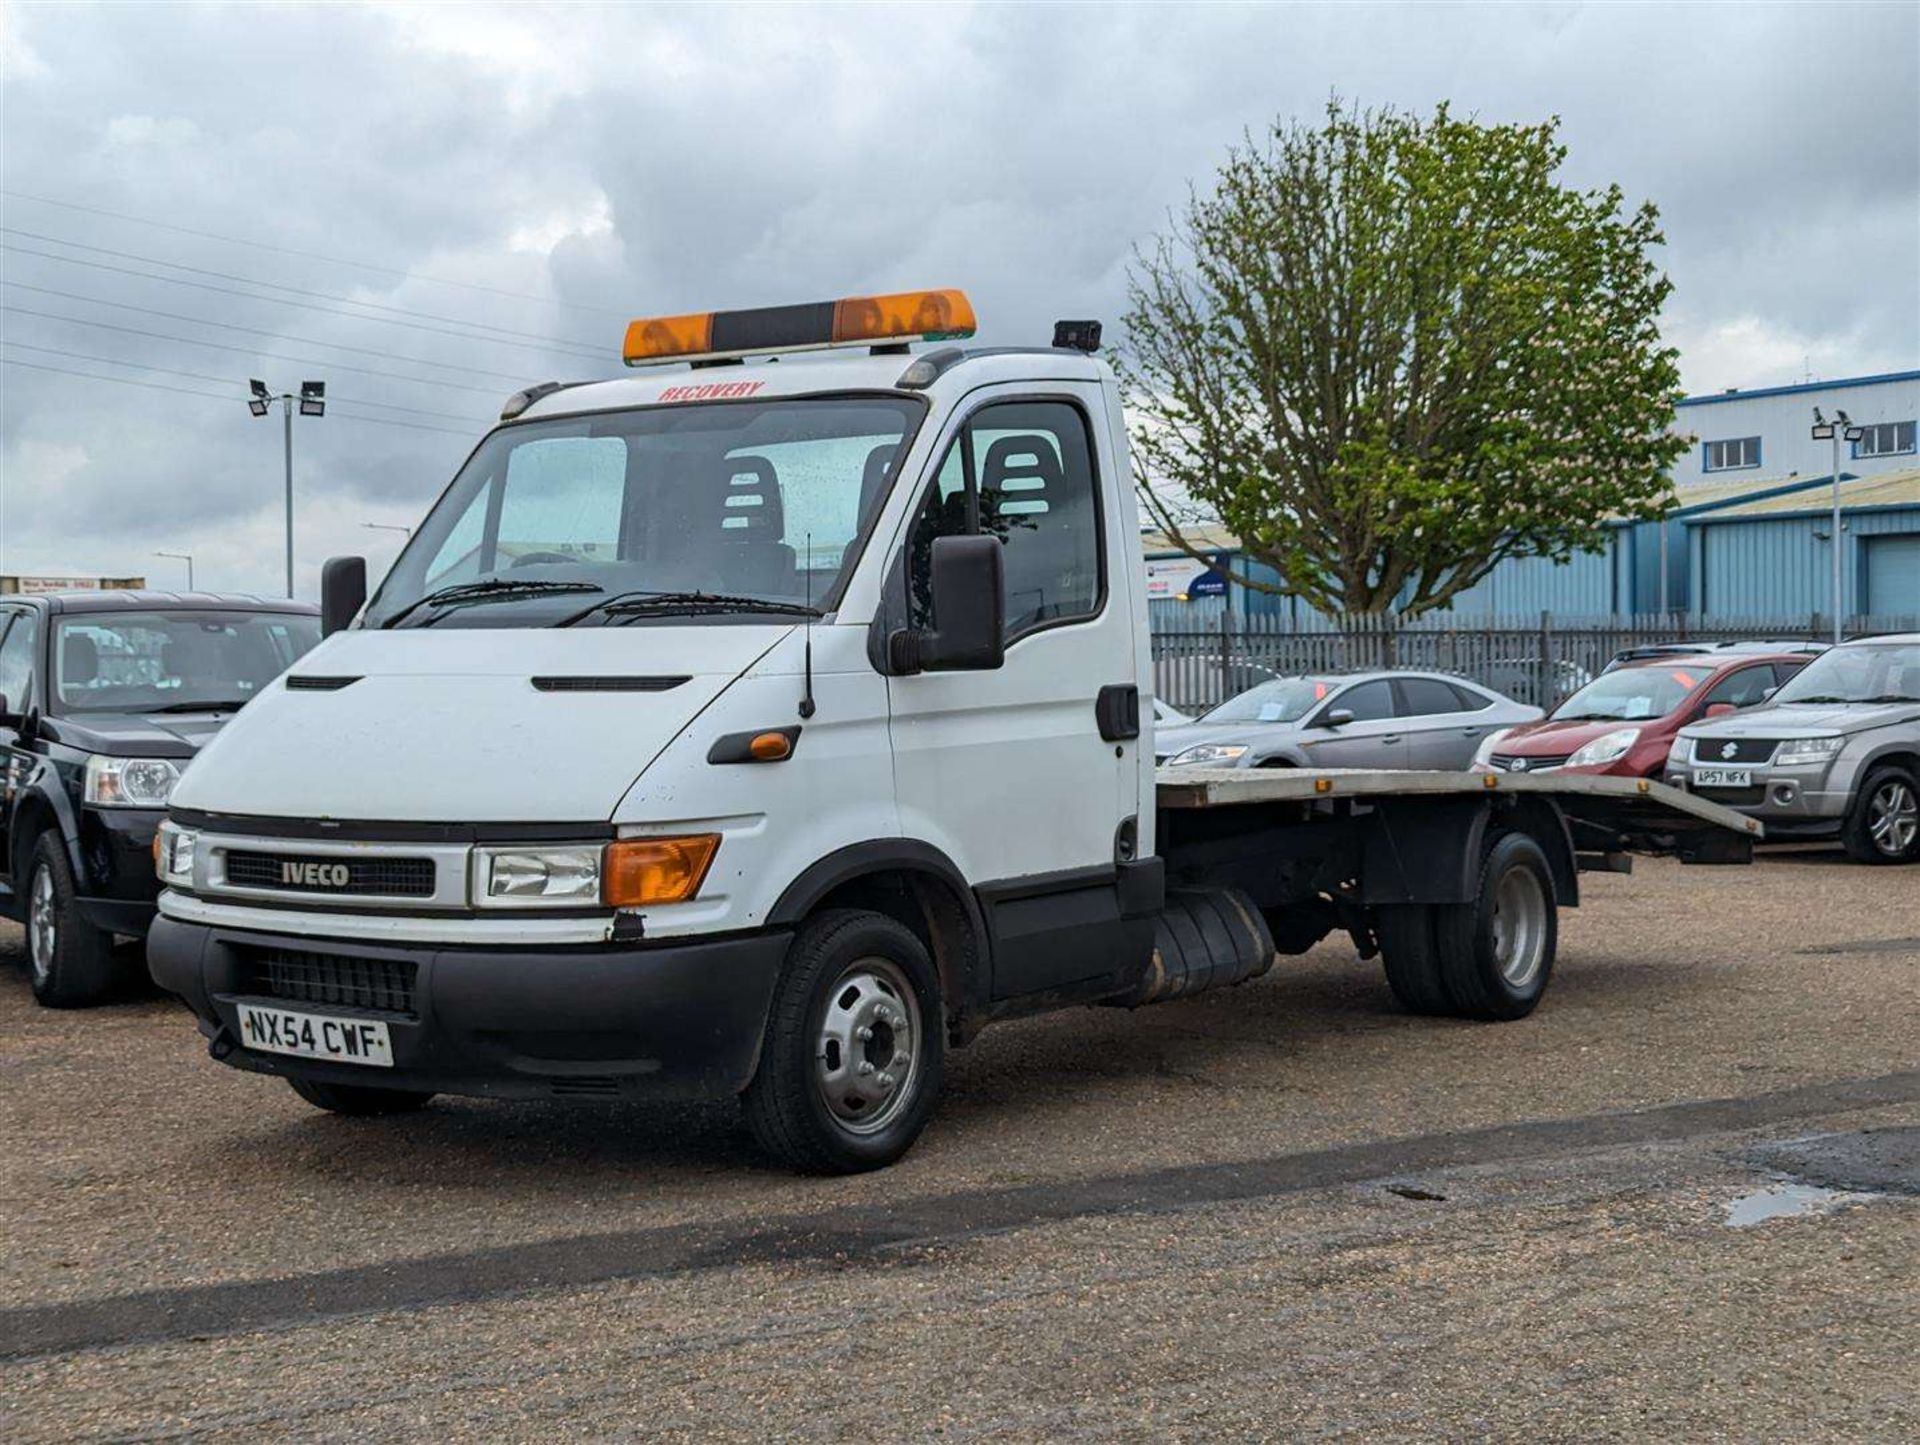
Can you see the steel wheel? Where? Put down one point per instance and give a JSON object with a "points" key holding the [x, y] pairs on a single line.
{"points": [[866, 1057], [1893, 817], [43, 923], [1519, 925]]}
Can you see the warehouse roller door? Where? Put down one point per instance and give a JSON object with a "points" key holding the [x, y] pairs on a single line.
{"points": [[1893, 575]]}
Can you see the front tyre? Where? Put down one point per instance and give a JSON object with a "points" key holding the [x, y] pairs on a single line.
{"points": [[1883, 825], [358, 1100], [1497, 951], [855, 1049], [71, 960]]}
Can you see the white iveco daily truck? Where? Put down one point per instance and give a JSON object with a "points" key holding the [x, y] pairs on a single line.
{"points": [[766, 729]]}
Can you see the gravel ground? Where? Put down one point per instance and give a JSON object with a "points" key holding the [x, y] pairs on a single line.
{"points": [[1170, 1224]]}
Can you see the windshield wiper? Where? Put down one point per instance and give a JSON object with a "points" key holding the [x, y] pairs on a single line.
{"points": [[494, 589], [639, 604], [218, 705], [1817, 697]]}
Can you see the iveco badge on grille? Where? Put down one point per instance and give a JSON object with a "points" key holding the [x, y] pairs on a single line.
{"points": [[313, 875]]}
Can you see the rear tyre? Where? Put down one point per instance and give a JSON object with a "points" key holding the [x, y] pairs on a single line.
{"points": [[855, 1048], [358, 1100], [71, 960], [1411, 954], [1883, 825], [1496, 952]]}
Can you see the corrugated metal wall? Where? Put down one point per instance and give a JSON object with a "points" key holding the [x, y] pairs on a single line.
{"points": [[1781, 565]]}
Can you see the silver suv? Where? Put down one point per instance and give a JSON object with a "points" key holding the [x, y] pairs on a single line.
{"points": [[1835, 753]]}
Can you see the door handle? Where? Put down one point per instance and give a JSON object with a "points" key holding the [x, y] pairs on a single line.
{"points": [[1116, 712], [1391, 738]]}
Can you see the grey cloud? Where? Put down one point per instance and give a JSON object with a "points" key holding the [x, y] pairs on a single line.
{"points": [[748, 156]]}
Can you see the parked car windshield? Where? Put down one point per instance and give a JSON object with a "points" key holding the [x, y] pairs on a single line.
{"points": [[1285, 699], [1862, 672], [1632, 694], [172, 661], [758, 500]]}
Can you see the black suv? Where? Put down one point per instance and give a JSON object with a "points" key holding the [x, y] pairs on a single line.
{"points": [[104, 698]]}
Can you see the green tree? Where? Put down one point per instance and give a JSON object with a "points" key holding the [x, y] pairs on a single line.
{"points": [[1390, 352]]}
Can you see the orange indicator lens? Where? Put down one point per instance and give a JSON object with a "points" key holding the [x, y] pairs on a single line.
{"points": [[642, 871]]}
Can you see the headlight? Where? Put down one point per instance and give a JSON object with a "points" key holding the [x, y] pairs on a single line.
{"points": [[1607, 748], [1807, 750], [536, 877], [1483, 754], [173, 850], [130, 782], [632, 873], [1208, 753]]}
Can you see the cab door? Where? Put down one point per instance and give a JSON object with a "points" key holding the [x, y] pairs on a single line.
{"points": [[1007, 771]]}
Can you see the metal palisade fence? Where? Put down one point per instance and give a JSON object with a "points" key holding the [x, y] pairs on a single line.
{"points": [[1538, 659]]}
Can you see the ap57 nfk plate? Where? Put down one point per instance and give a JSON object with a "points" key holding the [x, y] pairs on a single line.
{"points": [[316, 1036], [1723, 777]]}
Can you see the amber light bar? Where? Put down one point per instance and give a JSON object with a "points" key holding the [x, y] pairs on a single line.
{"points": [[854, 320]]}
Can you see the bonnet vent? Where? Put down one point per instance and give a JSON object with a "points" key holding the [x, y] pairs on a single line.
{"points": [[319, 684], [607, 684]]}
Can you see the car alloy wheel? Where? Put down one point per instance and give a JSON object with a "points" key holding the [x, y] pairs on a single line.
{"points": [[43, 923], [1893, 817]]}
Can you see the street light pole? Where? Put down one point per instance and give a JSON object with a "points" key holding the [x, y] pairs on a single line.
{"points": [[186, 557], [313, 402], [286, 410], [1833, 431]]}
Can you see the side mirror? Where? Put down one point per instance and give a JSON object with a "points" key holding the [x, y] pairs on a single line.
{"points": [[1338, 718], [969, 612], [1721, 709], [343, 590], [1766, 694], [7, 717]]}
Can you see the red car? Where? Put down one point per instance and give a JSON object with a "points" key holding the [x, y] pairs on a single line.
{"points": [[1622, 723]]}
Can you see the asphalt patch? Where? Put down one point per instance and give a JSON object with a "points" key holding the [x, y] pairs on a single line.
{"points": [[1866, 1161], [878, 1230]]}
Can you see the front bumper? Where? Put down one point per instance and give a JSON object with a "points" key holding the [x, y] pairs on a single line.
{"points": [[1799, 802], [118, 886], [673, 1020]]}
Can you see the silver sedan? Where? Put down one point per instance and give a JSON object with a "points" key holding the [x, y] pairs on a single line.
{"points": [[1350, 720]]}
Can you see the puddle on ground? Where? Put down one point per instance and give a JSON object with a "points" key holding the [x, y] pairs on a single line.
{"points": [[1790, 1201]]}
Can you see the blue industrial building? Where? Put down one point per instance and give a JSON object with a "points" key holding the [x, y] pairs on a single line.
{"points": [[1772, 556]]}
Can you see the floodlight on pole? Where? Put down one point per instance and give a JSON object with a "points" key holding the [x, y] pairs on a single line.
{"points": [[313, 402], [1830, 431]]}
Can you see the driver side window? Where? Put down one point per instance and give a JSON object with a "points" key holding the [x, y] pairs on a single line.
{"points": [[16, 658], [1022, 472]]}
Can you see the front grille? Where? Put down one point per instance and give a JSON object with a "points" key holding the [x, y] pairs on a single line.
{"points": [[1711, 751], [382, 984], [375, 877], [1516, 763]]}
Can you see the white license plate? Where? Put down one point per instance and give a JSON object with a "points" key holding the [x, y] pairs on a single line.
{"points": [[1723, 777], [316, 1036]]}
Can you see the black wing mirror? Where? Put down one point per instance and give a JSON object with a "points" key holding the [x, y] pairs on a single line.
{"points": [[343, 590], [7, 717], [969, 612], [1337, 717]]}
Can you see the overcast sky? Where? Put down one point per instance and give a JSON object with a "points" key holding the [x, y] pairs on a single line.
{"points": [[571, 168]]}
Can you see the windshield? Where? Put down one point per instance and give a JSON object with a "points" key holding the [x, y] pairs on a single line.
{"points": [[1633, 693], [172, 661], [1870, 672], [746, 500], [1285, 699]]}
